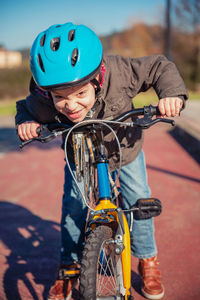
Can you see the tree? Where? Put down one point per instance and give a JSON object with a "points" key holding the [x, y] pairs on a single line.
{"points": [[188, 20], [168, 30]]}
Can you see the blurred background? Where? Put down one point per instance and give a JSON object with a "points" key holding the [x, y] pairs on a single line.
{"points": [[129, 27]]}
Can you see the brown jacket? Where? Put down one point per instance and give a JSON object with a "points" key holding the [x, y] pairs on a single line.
{"points": [[124, 79]]}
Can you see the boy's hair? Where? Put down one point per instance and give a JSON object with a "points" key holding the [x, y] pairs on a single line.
{"points": [[66, 55]]}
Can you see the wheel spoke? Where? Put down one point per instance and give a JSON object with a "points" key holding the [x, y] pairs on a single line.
{"points": [[107, 281], [101, 271]]}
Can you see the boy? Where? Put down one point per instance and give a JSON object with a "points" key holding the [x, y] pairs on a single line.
{"points": [[73, 81]]}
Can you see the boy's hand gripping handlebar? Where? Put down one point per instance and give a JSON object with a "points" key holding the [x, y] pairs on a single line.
{"points": [[147, 120], [44, 136]]}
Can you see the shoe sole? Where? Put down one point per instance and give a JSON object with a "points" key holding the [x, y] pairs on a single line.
{"points": [[69, 296], [66, 298], [153, 297]]}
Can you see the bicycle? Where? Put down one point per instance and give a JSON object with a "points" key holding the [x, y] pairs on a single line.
{"points": [[106, 263]]}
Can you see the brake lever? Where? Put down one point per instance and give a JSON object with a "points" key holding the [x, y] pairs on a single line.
{"points": [[145, 123], [170, 121], [45, 139], [24, 143]]}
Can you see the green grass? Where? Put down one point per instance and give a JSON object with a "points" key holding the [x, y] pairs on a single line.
{"points": [[150, 97], [194, 95], [147, 98], [8, 107]]}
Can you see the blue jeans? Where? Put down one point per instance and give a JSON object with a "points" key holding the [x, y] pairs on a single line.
{"points": [[133, 185]]}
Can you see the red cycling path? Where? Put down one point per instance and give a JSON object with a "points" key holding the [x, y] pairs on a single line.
{"points": [[30, 199]]}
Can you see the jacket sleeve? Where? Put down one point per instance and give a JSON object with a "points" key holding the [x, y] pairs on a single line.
{"points": [[22, 115], [35, 107], [154, 71]]}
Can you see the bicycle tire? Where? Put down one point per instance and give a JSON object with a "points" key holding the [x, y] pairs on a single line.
{"points": [[101, 268]]}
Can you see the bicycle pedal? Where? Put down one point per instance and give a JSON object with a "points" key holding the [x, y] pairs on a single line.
{"points": [[148, 208], [68, 273]]}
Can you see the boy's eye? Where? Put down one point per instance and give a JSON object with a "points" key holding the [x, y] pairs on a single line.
{"points": [[58, 97], [82, 93]]}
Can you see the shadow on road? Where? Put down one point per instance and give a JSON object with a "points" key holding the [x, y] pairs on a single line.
{"points": [[33, 247], [189, 143], [136, 282], [173, 173]]}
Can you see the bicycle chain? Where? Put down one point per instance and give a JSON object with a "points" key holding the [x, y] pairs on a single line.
{"points": [[76, 149], [82, 159]]}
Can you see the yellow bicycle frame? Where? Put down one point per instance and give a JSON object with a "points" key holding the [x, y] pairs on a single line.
{"points": [[126, 253]]}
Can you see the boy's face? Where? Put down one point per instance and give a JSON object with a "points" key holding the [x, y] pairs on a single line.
{"points": [[75, 102]]}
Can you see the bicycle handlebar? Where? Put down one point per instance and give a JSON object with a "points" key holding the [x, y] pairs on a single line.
{"points": [[48, 132]]}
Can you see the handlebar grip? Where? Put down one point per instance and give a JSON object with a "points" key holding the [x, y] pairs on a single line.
{"points": [[152, 110], [24, 143], [38, 130], [157, 111]]}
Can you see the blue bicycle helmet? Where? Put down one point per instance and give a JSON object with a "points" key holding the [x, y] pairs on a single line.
{"points": [[65, 55]]}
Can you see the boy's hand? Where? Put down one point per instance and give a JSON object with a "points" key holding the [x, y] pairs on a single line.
{"points": [[27, 130], [170, 107]]}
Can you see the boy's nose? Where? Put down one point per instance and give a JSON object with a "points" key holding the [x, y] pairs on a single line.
{"points": [[71, 105]]}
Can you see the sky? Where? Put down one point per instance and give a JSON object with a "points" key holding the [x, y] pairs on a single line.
{"points": [[22, 20]]}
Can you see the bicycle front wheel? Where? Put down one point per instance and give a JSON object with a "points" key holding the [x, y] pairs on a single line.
{"points": [[101, 269]]}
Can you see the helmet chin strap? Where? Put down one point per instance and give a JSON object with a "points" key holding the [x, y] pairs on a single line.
{"points": [[97, 83]]}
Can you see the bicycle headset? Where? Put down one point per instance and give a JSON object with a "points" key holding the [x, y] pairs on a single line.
{"points": [[66, 55]]}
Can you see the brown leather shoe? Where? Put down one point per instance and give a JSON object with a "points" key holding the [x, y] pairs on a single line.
{"points": [[151, 278], [66, 278]]}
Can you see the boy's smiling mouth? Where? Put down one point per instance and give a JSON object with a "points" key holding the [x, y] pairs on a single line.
{"points": [[74, 115]]}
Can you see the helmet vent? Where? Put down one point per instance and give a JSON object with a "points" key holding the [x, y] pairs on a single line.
{"points": [[55, 43], [40, 63], [71, 35], [74, 57], [42, 40]]}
